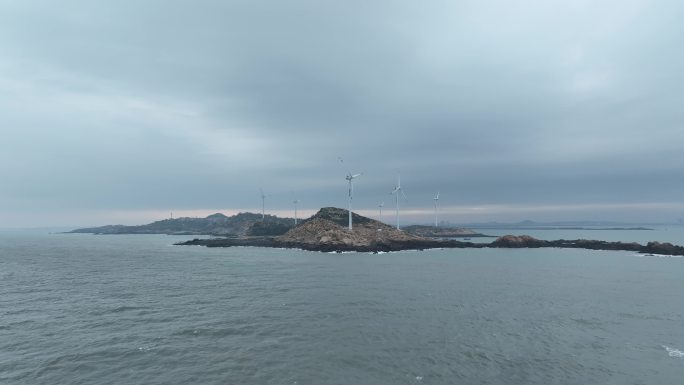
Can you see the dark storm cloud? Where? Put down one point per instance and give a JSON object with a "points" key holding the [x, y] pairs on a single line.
{"points": [[169, 104]]}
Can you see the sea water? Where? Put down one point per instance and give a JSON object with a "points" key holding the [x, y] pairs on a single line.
{"points": [[134, 309]]}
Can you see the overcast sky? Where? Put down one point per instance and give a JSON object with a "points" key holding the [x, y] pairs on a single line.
{"points": [[123, 111]]}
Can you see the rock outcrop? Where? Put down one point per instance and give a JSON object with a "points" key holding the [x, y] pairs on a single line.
{"points": [[663, 248], [328, 231], [517, 241], [525, 241]]}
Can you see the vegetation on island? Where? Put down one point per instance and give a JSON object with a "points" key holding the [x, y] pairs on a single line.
{"points": [[242, 224]]}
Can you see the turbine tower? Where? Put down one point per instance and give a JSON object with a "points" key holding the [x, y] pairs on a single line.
{"points": [[380, 207], [436, 199], [397, 190], [296, 201], [263, 205], [350, 178]]}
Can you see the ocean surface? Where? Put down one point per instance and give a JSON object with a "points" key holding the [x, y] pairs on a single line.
{"points": [[133, 309]]}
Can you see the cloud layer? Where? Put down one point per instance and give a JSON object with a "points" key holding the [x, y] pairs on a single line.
{"points": [[169, 105]]}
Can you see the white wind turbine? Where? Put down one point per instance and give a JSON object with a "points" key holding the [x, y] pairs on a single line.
{"points": [[296, 201], [436, 200], [263, 204], [380, 206], [350, 178], [397, 190]]}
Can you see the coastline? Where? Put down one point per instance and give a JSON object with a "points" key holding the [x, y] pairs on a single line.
{"points": [[504, 242]]}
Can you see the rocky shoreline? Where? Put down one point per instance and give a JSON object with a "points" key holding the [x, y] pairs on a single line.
{"points": [[505, 242], [327, 232]]}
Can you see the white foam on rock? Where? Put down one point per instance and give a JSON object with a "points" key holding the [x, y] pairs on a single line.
{"points": [[672, 352]]}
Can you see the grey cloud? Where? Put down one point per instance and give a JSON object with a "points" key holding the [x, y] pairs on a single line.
{"points": [[129, 105]]}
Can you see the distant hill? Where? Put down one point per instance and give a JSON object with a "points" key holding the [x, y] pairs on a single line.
{"points": [[242, 224], [563, 225], [442, 232]]}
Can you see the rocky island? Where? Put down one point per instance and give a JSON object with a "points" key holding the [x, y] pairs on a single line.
{"points": [[326, 231], [239, 225]]}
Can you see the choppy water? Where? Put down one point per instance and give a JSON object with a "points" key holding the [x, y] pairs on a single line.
{"points": [[82, 309]]}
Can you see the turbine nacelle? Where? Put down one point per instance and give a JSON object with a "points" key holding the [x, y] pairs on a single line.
{"points": [[397, 190], [349, 176]]}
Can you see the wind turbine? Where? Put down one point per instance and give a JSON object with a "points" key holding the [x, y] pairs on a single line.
{"points": [[296, 201], [350, 178], [263, 199], [396, 192], [380, 207], [436, 199]]}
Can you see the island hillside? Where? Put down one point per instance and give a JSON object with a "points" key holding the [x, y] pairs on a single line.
{"points": [[242, 224], [328, 230], [250, 224]]}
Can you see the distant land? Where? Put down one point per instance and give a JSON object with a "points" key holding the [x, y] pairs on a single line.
{"points": [[242, 224], [327, 231], [560, 225], [250, 224]]}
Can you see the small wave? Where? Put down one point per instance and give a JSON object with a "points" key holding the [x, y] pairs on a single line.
{"points": [[146, 348], [118, 309], [220, 332], [126, 308], [649, 255], [672, 352], [640, 316]]}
